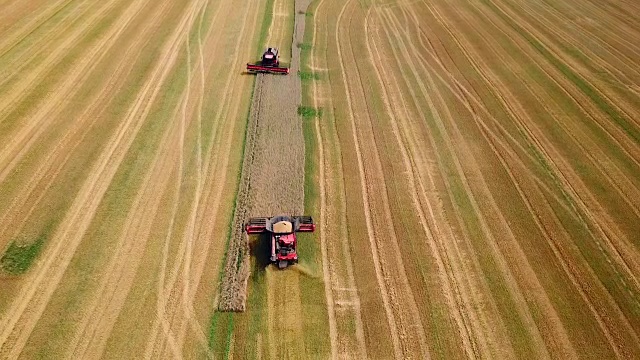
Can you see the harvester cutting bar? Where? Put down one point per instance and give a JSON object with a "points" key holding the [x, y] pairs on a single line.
{"points": [[305, 223], [267, 69], [256, 225]]}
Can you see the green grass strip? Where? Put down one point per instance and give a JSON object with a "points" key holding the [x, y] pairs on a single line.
{"points": [[308, 112], [19, 256]]}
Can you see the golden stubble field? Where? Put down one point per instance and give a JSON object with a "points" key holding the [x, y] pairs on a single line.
{"points": [[121, 130], [473, 167], [479, 177]]}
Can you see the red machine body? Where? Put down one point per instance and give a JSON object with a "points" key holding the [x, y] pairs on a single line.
{"points": [[269, 63], [282, 235]]}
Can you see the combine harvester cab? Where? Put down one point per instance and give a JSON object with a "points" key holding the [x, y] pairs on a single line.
{"points": [[282, 235], [270, 63]]}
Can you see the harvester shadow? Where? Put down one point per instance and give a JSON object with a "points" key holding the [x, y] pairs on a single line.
{"points": [[259, 250]]}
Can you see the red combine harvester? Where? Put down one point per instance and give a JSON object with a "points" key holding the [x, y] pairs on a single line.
{"points": [[282, 235], [268, 64]]}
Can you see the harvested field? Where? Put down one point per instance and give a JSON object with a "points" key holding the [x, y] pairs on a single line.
{"points": [[473, 169], [121, 133], [481, 162]]}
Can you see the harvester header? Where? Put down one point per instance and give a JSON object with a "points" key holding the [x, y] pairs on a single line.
{"points": [[269, 63]]}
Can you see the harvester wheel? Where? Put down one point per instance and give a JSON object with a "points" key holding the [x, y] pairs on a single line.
{"points": [[282, 264]]}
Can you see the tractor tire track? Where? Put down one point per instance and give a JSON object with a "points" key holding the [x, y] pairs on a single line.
{"points": [[13, 221], [34, 296], [578, 97], [129, 245], [163, 290], [23, 58], [26, 137], [574, 64], [448, 281], [625, 194], [614, 20], [542, 298], [614, 183], [541, 149], [330, 276], [94, 330], [605, 74], [189, 289], [387, 293], [526, 130], [498, 254], [549, 159], [9, 42], [218, 188], [549, 17], [624, 259], [554, 52], [233, 112], [417, 334], [484, 325]]}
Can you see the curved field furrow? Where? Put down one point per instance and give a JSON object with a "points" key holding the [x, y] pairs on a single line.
{"points": [[515, 160], [448, 282], [27, 136], [35, 294], [530, 277], [607, 56], [212, 161], [557, 77], [513, 101], [465, 96], [400, 297], [165, 291], [620, 248], [379, 276], [605, 69], [620, 181], [340, 284], [113, 288], [607, 103], [328, 272], [492, 345], [620, 16], [190, 231], [592, 97]]}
